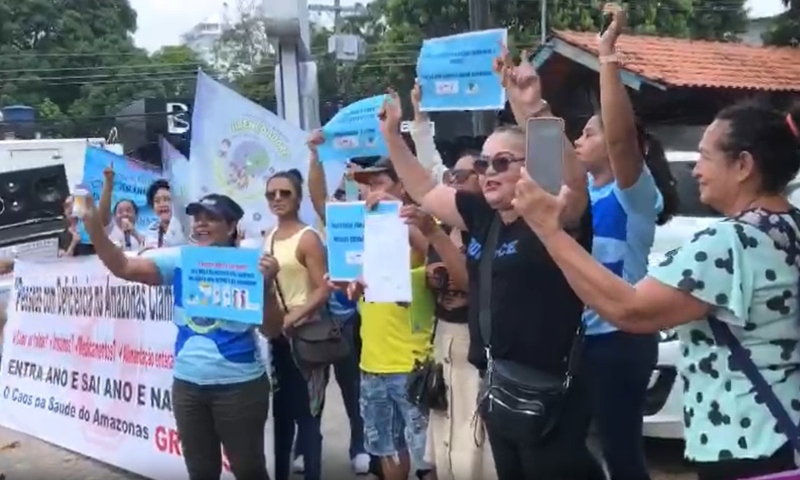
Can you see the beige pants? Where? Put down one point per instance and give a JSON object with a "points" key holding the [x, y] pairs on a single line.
{"points": [[459, 451]]}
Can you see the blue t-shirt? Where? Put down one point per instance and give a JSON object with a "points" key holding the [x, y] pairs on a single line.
{"points": [[208, 351], [341, 308], [624, 223]]}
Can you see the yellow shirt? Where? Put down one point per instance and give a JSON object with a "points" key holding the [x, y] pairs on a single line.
{"points": [[393, 337]]}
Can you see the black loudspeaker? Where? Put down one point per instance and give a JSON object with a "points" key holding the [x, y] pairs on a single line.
{"points": [[31, 196]]}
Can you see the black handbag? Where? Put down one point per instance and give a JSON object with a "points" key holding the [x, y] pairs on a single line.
{"points": [[426, 386], [317, 341], [517, 401]]}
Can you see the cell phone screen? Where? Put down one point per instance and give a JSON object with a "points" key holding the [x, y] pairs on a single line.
{"points": [[544, 152]]}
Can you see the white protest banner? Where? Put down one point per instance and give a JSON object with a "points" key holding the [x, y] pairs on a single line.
{"points": [[237, 145], [87, 365]]}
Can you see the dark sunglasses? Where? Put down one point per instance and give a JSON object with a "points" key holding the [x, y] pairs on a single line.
{"points": [[459, 176], [278, 193], [340, 194], [499, 163]]}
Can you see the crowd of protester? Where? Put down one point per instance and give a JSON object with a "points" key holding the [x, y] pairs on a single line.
{"points": [[552, 330]]}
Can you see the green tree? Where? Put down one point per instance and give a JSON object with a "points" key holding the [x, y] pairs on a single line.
{"points": [[76, 57], [785, 30]]}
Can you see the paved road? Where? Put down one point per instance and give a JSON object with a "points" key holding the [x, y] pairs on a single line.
{"points": [[23, 457]]}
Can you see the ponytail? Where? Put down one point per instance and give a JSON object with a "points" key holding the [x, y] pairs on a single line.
{"points": [[656, 161]]}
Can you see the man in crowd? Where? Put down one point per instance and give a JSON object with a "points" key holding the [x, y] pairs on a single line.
{"points": [[394, 336]]}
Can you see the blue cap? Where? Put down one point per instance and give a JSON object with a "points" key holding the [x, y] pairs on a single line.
{"points": [[217, 205]]}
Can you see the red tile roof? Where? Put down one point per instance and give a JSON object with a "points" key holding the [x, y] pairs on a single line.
{"points": [[693, 63]]}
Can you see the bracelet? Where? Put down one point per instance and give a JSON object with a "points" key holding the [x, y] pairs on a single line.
{"points": [[543, 109], [606, 59]]}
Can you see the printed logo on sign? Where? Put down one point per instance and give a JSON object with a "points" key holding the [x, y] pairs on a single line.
{"points": [[447, 87], [472, 88], [346, 142], [353, 258]]}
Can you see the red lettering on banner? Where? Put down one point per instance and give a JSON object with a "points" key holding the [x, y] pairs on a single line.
{"points": [[168, 441]]}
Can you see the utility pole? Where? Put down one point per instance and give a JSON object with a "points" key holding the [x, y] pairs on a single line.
{"points": [[480, 19], [543, 21], [342, 45]]}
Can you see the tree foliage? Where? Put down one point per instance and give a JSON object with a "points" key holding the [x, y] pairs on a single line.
{"points": [[785, 29], [76, 63], [395, 29]]}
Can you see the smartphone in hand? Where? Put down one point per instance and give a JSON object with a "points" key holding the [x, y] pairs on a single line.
{"points": [[544, 152]]}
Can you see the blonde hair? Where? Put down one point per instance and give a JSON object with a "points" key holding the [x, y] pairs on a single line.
{"points": [[515, 131]]}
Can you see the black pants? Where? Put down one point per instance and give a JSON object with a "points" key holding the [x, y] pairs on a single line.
{"points": [[231, 415], [780, 461], [290, 409], [561, 455], [617, 367]]}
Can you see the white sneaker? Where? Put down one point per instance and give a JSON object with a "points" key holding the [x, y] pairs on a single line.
{"points": [[298, 466], [361, 464]]}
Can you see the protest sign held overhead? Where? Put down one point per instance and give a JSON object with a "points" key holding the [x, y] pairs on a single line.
{"points": [[131, 179], [455, 72], [353, 132]]}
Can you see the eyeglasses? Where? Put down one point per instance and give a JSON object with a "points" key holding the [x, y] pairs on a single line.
{"points": [[278, 193], [499, 163], [459, 176]]}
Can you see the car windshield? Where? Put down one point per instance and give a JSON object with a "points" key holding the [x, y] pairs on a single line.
{"points": [[688, 192]]}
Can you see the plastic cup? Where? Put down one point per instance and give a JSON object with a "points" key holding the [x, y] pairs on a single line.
{"points": [[79, 201]]}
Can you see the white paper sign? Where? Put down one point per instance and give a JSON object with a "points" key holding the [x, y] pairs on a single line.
{"points": [[386, 259]]}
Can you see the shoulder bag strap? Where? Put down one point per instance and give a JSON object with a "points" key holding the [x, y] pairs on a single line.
{"points": [[277, 283], [723, 335], [485, 283]]}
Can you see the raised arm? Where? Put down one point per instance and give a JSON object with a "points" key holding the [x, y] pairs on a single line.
{"points": [[317, 189], [422, 135], [523, 89], [437, 199], [619, 125], [453, 259], [136, 269], [105, 196]]}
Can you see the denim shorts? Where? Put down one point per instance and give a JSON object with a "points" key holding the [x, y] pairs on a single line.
{"points": [[391, 423]]}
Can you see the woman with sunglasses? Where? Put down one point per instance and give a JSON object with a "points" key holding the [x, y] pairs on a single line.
{"points": [[220, 393], [451, 445], [301, 289], [528, 294]]}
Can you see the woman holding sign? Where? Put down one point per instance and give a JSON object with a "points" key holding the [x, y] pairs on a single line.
{"points": [[450, 429], [525, 318], [221, 390]]}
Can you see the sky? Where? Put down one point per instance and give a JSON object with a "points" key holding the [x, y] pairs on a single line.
{"points": [[161, 22]]}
